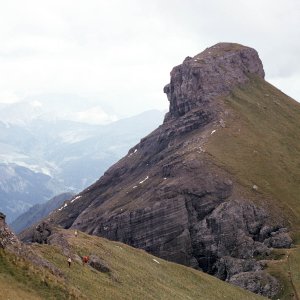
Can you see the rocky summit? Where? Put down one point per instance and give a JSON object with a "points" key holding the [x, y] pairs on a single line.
{"points": [[192, 191], [198, 80]]}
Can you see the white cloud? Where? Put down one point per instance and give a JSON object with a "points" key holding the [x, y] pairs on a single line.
{"points": [[8, 97], [290, 83], [121, 51], [36, 103], [94, 115]]}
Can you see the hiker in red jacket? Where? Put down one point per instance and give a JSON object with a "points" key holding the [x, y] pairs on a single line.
{"points": [[85, 259]]}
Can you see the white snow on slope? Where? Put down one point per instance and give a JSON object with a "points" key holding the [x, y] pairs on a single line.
{"points": [[141, 182], [77, 197]]}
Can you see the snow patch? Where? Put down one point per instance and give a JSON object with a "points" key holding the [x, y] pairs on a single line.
{"points": [[135, 150], [156, 261], [213, 132], [135, 187], [77, 197], [141, 182], [65, 205]]}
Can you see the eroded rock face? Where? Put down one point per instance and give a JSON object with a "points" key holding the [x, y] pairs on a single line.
{"points": [[198, 80], [227, 267], [98, 264], [7, 238], [41, 233], [257, 282]]}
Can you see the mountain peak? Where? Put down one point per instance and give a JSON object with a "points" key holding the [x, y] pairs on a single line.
{"points": [[216, 70], [205, 188]]}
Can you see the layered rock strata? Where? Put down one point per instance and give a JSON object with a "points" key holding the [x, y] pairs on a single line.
{"points": [[200, 79]]}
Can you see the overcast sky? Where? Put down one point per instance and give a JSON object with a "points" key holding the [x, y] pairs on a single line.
{"points": [[115, 56]]}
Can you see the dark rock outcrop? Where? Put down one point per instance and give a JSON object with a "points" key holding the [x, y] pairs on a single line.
{"points": [[7, 238], [169, 197], [198, 80], [98, 264], [41, 233], [228, 266], [257, 282], [279, 239]]}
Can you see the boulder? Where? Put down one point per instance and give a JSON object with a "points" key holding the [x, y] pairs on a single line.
{"points": [[41, 233], [258, 282], [228, 266], [279, 240], [98, 264]]}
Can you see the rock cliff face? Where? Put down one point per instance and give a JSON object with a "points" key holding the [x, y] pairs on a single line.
{"points": [[169, 197], [7, 238], [198, 80]]}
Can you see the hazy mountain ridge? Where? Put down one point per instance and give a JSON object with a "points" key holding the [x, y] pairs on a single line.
{"points": [[72, 154], [20, 188], [38, 211]]}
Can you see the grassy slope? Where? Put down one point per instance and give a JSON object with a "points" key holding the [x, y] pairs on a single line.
{"points": [[19, 279], [134, 275], [286, 268], [261, 145], [11, 289]]}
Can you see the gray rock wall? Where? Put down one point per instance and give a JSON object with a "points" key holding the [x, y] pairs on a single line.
{"points": [[214, 71]]}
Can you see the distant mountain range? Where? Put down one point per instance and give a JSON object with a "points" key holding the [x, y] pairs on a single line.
{"points": [[42, 158], [21, 187], [38, 211]]}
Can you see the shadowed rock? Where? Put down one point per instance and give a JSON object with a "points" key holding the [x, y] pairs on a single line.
{"points": [[228, 266], [98, 264], [218, 69], [41, 233], [257, 282]]}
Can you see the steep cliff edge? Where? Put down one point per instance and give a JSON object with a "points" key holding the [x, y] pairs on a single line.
{"points": [[198, 80], [175, 196]]}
